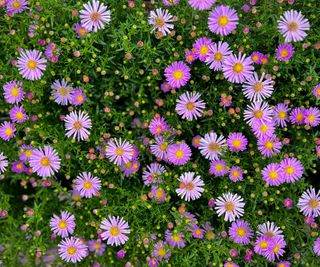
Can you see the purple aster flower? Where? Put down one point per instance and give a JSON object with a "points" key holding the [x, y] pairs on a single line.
{"points": [[177, 74], [316, 247], [263, 129], [284, 52], [269, 229], [115, 230], [64, 225], [121, 254], [87, 184], [165, 87], [291, 169], [13, 92], [283, 264], [190, 55], [3, 163], [196, 141], [212, 146], [77, 125], [25, 152], [218, 167], [175, 239], [217, 53], [96, 246], [153, 174], [72, 250], [256, 57], [264, 59], [170, 2], [280, 113], [45, 162], [293, 26], [271, 174], [94, 16], [152, 261], [309, 220], [158, 125], [52, 52], [18, 167], [158, 193], [256, 89], [237, 69], [16, 6], [288, 203], [78, 97], [119, 152], [262, 244], [201, 48], [201, 4], [223, 20], [197, 232], [269, 145], [190, 187], [7, 131], [161, 20], [258, 112], [240, 232], [235, 174], [231, 205], [17, 114], [80, 30], [160, 148], [161, 250], [309, 203], [297, 116], [276, 248], [189, 106], [230, 264], [312, 117], [179, 154], [316, 91], [31, 65], [237, 142], [61, 92]]}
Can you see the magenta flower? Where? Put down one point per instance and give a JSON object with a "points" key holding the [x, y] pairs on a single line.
{"points": [[190, 56], [262, 244], [291, 169], [31, 65], [170, 2], [257, 89], [217, 54], [272, 175], [96, 246], [158, 193], [80, 30], [158, 125], [63, 226], [297, 116], [284, 52], [223, 20], [288, 203], [312, 117], [17, 114], [269, 145], [189, 106], [276, 248], [160, 148], [175, 239], [240, 232], [201, 4], [161, 20], [177, 74], [218, 167], [13, 92], [61, 92], [72, 250], [18, 167], [119, 152], [161, 251], [7, 131], [201, 48], [77, 125], [316, 91], [212, 146], [231, 205], [258, 112], [153, 174], [309, 203], [190, 187], [87, 184], [115, 230], [256, 57], [235, 174], [78, 97], [179, 154], [280, 113], [196, 141], [263, 129], [237, 142], [16, 6], [316, 247], [52, 52]]}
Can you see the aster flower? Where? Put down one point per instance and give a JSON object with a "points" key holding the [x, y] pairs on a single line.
{"points": [[223, 20], [269, 229], [258, 112], [64, 225], [96, 246], [72, 250], [17, 114], [297, 116], [288, 203], [216, 55], [161, 20], [218, 167], [190, 187], [31, 65], [190, 55], [283, 264], [52, 52], [197, 232], [201, 4], [158, 193], [212, 146], [293, 26], [7, 131], [237, 69], [3, 163], [276, 248], [240, 232], [87, 185], [312, 117], [256, 89], [291, 169], [119, 152], [77, 125], [196, 141], [175, 239], [130, 167], [13, 92], [280, 113], [201, 47], [18, 167], [284, 52], [231, 205], [160, 148], [177, 74], [170, 2], [263, 129], [271, 174], [235, 174], [16, 6], [158, 125], [45, 162], [230, 264], [256, 57], [115, 230], [316, 91], [94, 16], [309, 203], [153, 173], [25, 152], [78, 97], [237, 142], [80, 30], [269, 145], [262, 244], [189, 106], [61, 92], [179, 154], [165, 87], [316, 247], [161, 250]]}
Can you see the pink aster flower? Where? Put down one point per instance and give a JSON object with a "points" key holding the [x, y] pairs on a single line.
{"points": [[31, 65], [263, 129], [165, 87], [288, 203], [179, 154], [190, 186], [230, 264], [63, 226], [87, 185], [72, 250], [284, 52], [256, 57], [237, 142], [218, 167], [293, 26], [3, 163], [262, 244], [18, 167], [237, 69], [309, 203], [269, 145], [175, 239], [201, 4], [258, 112], [284, 264], [61, 92], [201, 47], [161, 250], [190, 55], [240, 232], [189, 106], [158, 125], [161, 20], [223, 20], [78, 97], [77, 125], [316, 247], [197, 232], [80, 30], [25, 152], [177, 74], [96, 246], [280, 113], [16, 6], [94, 16], [153, 173], [212, 146], [45, 162], [17, 114], [115, 230], [7, 131], [170, 2], [291, 169], [216, 55], [196, 141], [235, 174], [52, 52], [297, 116], [13, 92], [316, 91], [160, 148], [231, 205], [119, 152], [158, 193], [276, 248], [272, 175], [312, 117], [257, 89], [269, 229], [130, 167]]}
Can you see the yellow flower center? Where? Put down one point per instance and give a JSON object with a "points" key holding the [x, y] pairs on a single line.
{"points": [[282, 115], [268, 145], [95, 16], [213, 147], [311, 118], [28, 153], [87, 185], [264, 128], [258, 114], [128, 165], [263, 244], [161, 252], [238, 67], [163, 147], [97, 246], [289, 170], [273, 175], [258, 87], [299, 117], [15, 91], [197, 232], [8, 132], [190, 186], [218, 56], [178, 74], [219, 167], [79, 98], [293, 26], [159, 22], [241, 232], [313, 203], [63, 91], [82, 31], [190, 106], [204, 50], [71, 250], [229, 206], [159, 194], [176, 237], [32, 64], [255, 58], [45, 161], [235, 174], [236, 143], [16, 4], [276, 248], [119, 151], [77, 125], [190, 57], [179, 153], [223, 21], [62, 224], [114, 231], [284, 53], [19, 115]]}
